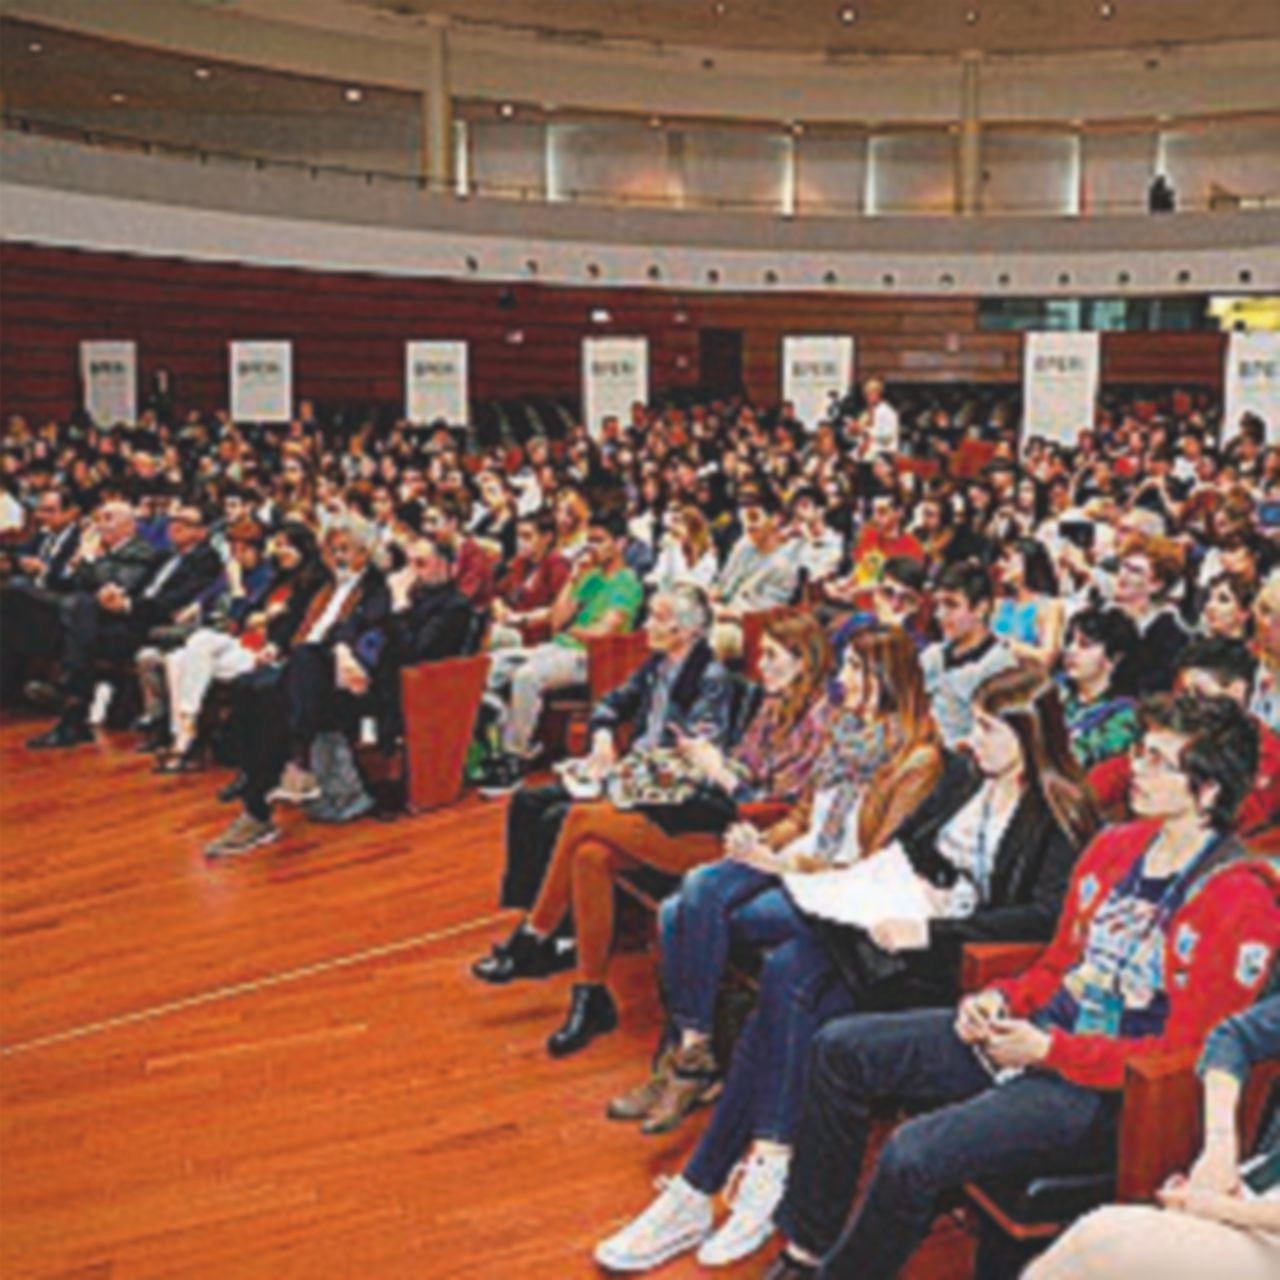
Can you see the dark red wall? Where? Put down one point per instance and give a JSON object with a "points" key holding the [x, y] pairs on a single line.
{"points": [[349, 330]]}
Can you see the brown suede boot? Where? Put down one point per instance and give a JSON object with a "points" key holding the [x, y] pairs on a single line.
{"points": [[636, 1103], [693, 1081]]}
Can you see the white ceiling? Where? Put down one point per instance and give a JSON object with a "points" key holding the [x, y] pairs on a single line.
{"points": [[815, 26]]}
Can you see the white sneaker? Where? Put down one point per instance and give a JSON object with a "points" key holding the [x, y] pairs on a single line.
{"points": [[678, 1220], [761, 1181]]}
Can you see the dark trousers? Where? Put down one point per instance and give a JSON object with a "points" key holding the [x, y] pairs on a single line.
{"points": [[973, 1128], [282, 710], [90, 632], [30, 625], [533, 826]]}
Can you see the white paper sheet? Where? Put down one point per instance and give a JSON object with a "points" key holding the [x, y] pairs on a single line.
{"points": [[881, 887]]}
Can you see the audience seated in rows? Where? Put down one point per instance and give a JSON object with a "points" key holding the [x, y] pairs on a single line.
{"points": [[1009, 618]]}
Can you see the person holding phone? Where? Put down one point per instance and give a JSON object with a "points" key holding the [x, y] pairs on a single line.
{"points": [[1217, 1219], [1167, 930]]}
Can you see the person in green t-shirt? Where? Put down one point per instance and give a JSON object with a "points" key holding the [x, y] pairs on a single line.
{"points": [[601, 598]]}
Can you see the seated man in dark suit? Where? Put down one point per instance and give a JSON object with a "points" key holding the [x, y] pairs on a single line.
{"points": [[430, 620], [110, 570], [680, 686], [337, 648], [39, 577]]}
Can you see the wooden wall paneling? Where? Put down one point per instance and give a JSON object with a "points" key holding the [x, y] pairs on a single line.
{"points": [[1176, 358]]}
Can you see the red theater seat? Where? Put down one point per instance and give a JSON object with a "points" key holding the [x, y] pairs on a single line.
{"points": [[440, 704]]}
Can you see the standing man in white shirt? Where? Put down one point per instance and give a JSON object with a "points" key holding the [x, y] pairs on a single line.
{"points": [[878, 426]]}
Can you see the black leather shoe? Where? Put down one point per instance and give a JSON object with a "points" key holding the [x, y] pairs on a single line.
{"points": [[591, 1014], [523, 955], [785, 1267], [62, 735], [156, 740], [234, 789]]}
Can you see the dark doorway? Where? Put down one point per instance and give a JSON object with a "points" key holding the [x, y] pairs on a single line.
{"points": [[720, 360]]}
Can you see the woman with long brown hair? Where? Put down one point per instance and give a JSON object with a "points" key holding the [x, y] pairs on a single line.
{"points": [[686, 552], [600, 842], [995, 844]]}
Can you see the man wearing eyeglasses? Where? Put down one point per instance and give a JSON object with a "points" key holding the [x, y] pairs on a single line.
{"points": [[1210, 667]]}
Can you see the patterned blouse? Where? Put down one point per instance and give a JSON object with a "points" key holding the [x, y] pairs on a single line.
{"points": [[1100, 730], [773, 763]]}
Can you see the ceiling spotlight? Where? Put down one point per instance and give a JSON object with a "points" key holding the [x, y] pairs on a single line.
{"points": [[117, 98], [848, 15], [35, 47], [1106, 10], [655, 122], [719, 9], [797, 127], [506, 110], [353, 93], [971, 16], [601, 316], [202, 73]]}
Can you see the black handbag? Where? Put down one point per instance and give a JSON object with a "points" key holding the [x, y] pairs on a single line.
{"points": [[864, 967]]}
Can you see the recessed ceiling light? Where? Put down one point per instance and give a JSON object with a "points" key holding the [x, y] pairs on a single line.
{"points": [[1106, 10], [506, 110], [848, 15], [719, 9], [972, 16], [655, 122], [353, 93], [35, 47], [202, 73], [117, 98]]}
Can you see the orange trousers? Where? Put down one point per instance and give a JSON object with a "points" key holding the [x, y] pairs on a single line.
{"points": [[597, 843]]}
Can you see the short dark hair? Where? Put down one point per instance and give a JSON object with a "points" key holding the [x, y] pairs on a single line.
{"points": [[541, 521], [807, 493], [970, 578], [613, 522], [762, 497], [1222, 746], [907, 571], [1112, 628], [451, 508], [1225, 659]]}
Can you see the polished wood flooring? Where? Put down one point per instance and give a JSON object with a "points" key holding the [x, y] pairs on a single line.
{"points": [[279, 1067]]}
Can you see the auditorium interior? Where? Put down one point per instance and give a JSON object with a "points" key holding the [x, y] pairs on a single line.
{"points": [[499, 500]]}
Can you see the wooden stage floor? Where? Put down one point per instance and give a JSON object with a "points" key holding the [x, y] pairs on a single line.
{"points": [[280, 1067]]}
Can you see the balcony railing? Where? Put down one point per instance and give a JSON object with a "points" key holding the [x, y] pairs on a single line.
{"points": [[462, 191]]}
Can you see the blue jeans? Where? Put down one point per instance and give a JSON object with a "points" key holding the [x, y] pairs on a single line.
{"points": [[717, 904], [1038, 1123], [800, 990]]}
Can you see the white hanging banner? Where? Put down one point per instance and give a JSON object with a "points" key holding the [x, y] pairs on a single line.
{"points": [[109, 377], [435, 383], [1060, 373], [261, 381], [615, 374], [1253, 382], [816, 368]]}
